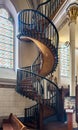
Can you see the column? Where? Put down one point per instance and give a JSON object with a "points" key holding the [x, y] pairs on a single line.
{"points": [[72, 13]]}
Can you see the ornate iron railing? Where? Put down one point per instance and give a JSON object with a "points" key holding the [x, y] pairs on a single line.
{"points": [[32, 85], [50, 7], [34, 24]]}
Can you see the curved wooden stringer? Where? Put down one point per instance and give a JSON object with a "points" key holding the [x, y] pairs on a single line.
{"points": [[48, 57], [39, 29]]}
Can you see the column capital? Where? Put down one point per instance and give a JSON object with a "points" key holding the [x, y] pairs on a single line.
{"points": [[72, 12]]}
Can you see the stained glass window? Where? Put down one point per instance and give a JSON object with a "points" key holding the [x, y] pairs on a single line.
{"points": [[64, 53], [6, 40]]}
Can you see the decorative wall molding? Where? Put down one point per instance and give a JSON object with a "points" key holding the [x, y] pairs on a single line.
{"points": [[7, 86], [61, 16], [7, 83]]}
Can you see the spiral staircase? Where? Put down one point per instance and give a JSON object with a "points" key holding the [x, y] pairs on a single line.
{"points": [[36, 26]]}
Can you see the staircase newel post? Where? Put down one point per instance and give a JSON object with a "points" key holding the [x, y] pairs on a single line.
{"points": [[41, 117], [25, 114], [62, 104]]}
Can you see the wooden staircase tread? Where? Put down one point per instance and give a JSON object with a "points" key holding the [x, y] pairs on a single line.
{"points": [[26, 81], [27, 87]]}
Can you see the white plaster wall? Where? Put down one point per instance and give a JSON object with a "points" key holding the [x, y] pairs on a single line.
{"points": [[20, 5], [7, 74], [27, 54], [12, 102]]}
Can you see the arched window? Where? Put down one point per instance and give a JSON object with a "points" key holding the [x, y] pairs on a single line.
{"points": [[6, 40], [64, 53]]}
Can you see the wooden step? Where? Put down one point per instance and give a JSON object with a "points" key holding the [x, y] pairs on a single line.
{"points": [[31, 124], [26, 81]]}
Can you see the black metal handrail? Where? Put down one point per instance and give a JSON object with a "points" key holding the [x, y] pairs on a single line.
{"points": [[37, 88], [32, 115], [45, 7], [33, 68], [31, 111], [20, 76], [49, 7], [43, 4], [34, 24]]}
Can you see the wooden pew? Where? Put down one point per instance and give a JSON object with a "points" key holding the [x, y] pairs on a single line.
{"points": [[13, 123]]}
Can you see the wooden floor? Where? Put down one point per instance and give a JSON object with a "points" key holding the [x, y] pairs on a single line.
{"points": [[59, 125], [55, 126]]}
